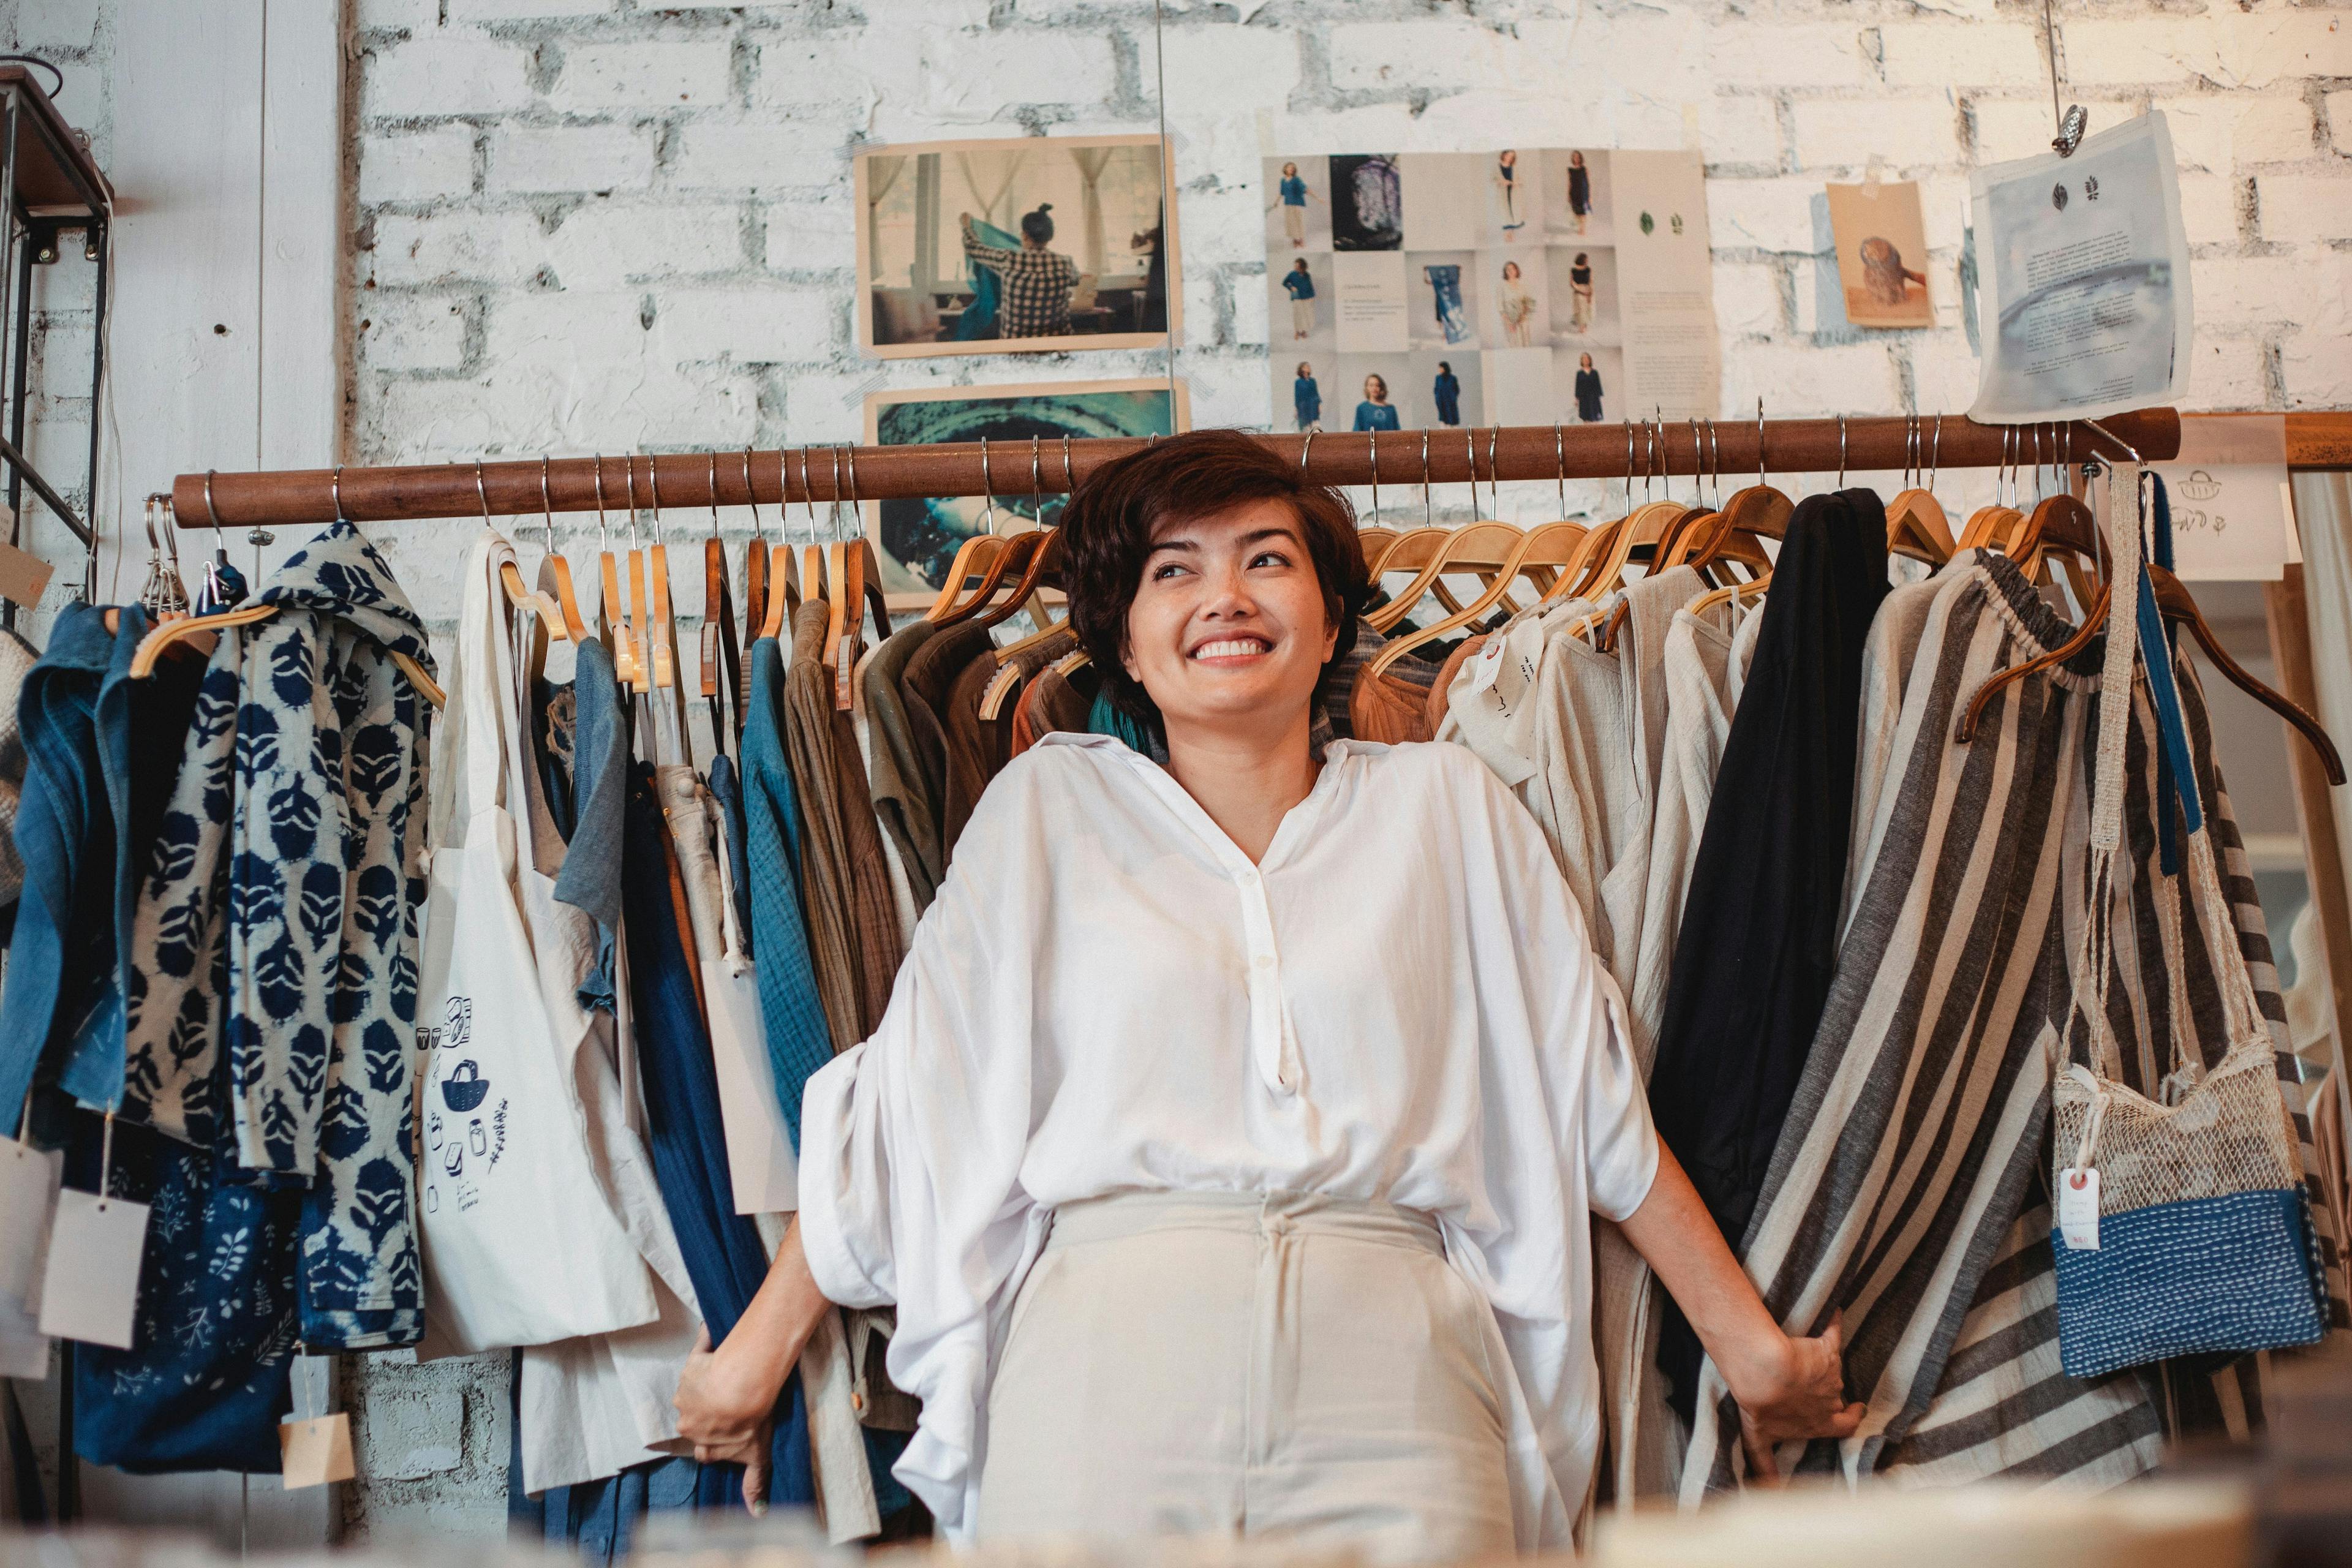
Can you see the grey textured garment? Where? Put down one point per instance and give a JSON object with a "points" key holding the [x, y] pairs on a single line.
{"points": [[895, 771], [1905, 1187], [16, 656]]}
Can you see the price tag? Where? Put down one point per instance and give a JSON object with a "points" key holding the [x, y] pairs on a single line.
{"points": [[315, 1451], [28, 1198], [1486, 665], [2078, 1209], [313, 1446], [90, 1288]]}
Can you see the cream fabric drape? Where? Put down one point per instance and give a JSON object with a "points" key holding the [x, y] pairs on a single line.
{"points": [[1091, 163], [988, 176], [882, 172]]}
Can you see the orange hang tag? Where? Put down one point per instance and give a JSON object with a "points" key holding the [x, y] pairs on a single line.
{"points": [[315, 1451], [23, 577]]}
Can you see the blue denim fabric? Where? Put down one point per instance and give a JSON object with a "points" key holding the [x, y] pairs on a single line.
{"points": [[727, 789], [721, 1249], [798, 1040], [66, 840], [591, 878]]}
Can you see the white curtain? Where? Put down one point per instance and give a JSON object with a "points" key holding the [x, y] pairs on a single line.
{"points": [[2323, 511], [1091, 163], [988, 176], [882, 172]]}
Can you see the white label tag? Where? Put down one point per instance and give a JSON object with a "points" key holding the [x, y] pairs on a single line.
{"points": [[315, 1451], [90, 1288], [28, 1198], [1487, 665], [2078, 1209]]}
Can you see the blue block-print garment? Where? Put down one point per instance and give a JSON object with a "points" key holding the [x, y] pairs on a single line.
{"points": [[286, 849]]}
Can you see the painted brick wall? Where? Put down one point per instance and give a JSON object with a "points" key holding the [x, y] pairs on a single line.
{"points": [[610, 225]]}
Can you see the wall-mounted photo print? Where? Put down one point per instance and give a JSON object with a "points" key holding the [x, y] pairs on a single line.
{"points": [[916, 540], [1020, 245], [1367, 203], [1525, 284], [1882, 254]]}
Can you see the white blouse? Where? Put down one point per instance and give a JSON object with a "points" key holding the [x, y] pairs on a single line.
{"points": [[1400, 1002]]}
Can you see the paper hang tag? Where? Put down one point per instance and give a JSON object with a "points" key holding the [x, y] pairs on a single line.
{"points": [[23, 578], [2078, 1209], [90, 1289], [315, 1451], [1487, 665], [28, 1201]]}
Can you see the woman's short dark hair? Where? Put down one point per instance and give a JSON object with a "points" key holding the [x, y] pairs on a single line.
{"points": [[1120, 509], [1039, 225]]}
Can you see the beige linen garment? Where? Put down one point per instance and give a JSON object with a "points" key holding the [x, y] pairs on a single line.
{"points": [[1313, 1368], [1109, 996]]}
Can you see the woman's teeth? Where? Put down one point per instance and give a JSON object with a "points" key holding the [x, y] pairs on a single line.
{"points": [[1232, 647]]}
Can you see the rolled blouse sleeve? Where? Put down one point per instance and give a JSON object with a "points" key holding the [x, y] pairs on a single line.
{"points": [[910, 1156]]}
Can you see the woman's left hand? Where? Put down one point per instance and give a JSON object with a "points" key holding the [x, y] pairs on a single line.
{"points": [[1794, 1388], [726, 1416]]}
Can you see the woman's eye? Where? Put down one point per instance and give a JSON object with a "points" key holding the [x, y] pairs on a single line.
{"points": [[1165, 570], [1270, 558]]}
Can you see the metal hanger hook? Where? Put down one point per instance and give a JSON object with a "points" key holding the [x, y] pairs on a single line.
{"points": [[482, 489], [1841, 482], [833, 502], [1559, 464], [1760, 443], [546, 503], [1629, 464], [714, 489], [629, 461], [1935, 455], [1304, 448], [604, 534], [850, 455], [988, 489], [1373, 439], [1494, 473], [653, 482], [1428, 510], [751, 499], [1036, 485]]}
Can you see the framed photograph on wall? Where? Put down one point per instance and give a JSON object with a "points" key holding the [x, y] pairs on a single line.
{"points": [[1017, 245], [916, 541]]}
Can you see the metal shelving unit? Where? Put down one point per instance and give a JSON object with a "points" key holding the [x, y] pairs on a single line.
{"points": [[52, 187]]}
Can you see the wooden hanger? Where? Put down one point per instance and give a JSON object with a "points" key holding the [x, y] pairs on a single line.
{"points": [[511, 576], [978, 553], [786, 587], [663, 629], [721, 655], [612, 611], [860, 576], [1045, 557], [1374, 543], [755, 559], [558, 570], [1915, 524], [1550, 545], [1055, 632], [157, 643]]}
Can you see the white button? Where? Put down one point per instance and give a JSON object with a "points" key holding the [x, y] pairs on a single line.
{"points": [[1264, 961], [1249, 875]]}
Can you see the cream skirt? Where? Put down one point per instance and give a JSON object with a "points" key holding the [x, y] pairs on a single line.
{"points": [[1237, 1364]]}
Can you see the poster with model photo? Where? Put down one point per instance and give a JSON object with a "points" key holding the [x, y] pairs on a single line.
{"points": [[1019, 245], [916, 539], [1442, 288], [1882, 254]]}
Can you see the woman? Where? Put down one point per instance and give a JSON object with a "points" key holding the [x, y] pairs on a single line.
{"points": [[1446, 390], [1375, 412], [1579, 292], [1517, 309], [1579, 189], [1299, 284], [1037, 282], [1306, 398], [1229, 1144], [1587, 390], [1506, 179], [1292, 197]]}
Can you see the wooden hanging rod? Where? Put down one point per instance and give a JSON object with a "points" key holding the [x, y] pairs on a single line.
{"points": [[693, 480]]}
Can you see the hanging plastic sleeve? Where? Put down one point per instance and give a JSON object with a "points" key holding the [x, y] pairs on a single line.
{"points": [[314, 1445], [89, 1291]]}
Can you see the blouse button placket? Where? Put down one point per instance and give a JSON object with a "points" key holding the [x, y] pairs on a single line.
{"points": [[1267, 1045]]}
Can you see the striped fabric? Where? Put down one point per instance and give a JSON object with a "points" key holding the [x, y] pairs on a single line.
{"points": [[1906, 1186]]}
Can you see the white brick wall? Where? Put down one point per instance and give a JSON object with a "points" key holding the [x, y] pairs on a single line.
{"points": [[615, 225]]}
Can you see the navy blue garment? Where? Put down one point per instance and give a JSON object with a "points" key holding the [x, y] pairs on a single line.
{"points": [[591, 877], [2172, 761], [721, 1249], [209, 1373], [727, 789]]}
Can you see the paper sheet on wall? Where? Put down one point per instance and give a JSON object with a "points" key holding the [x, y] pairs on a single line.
{"points": [[2084, 298], [1429, 290], [2231, 520]]}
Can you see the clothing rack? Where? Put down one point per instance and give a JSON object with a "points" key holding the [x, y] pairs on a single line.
{"points": [[692, 480]]}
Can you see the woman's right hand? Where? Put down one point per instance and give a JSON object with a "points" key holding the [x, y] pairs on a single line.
{"points": [[726, 1412]]}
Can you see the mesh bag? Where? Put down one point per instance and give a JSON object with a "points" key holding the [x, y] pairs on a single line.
{"points": [[2204, 1241]]}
